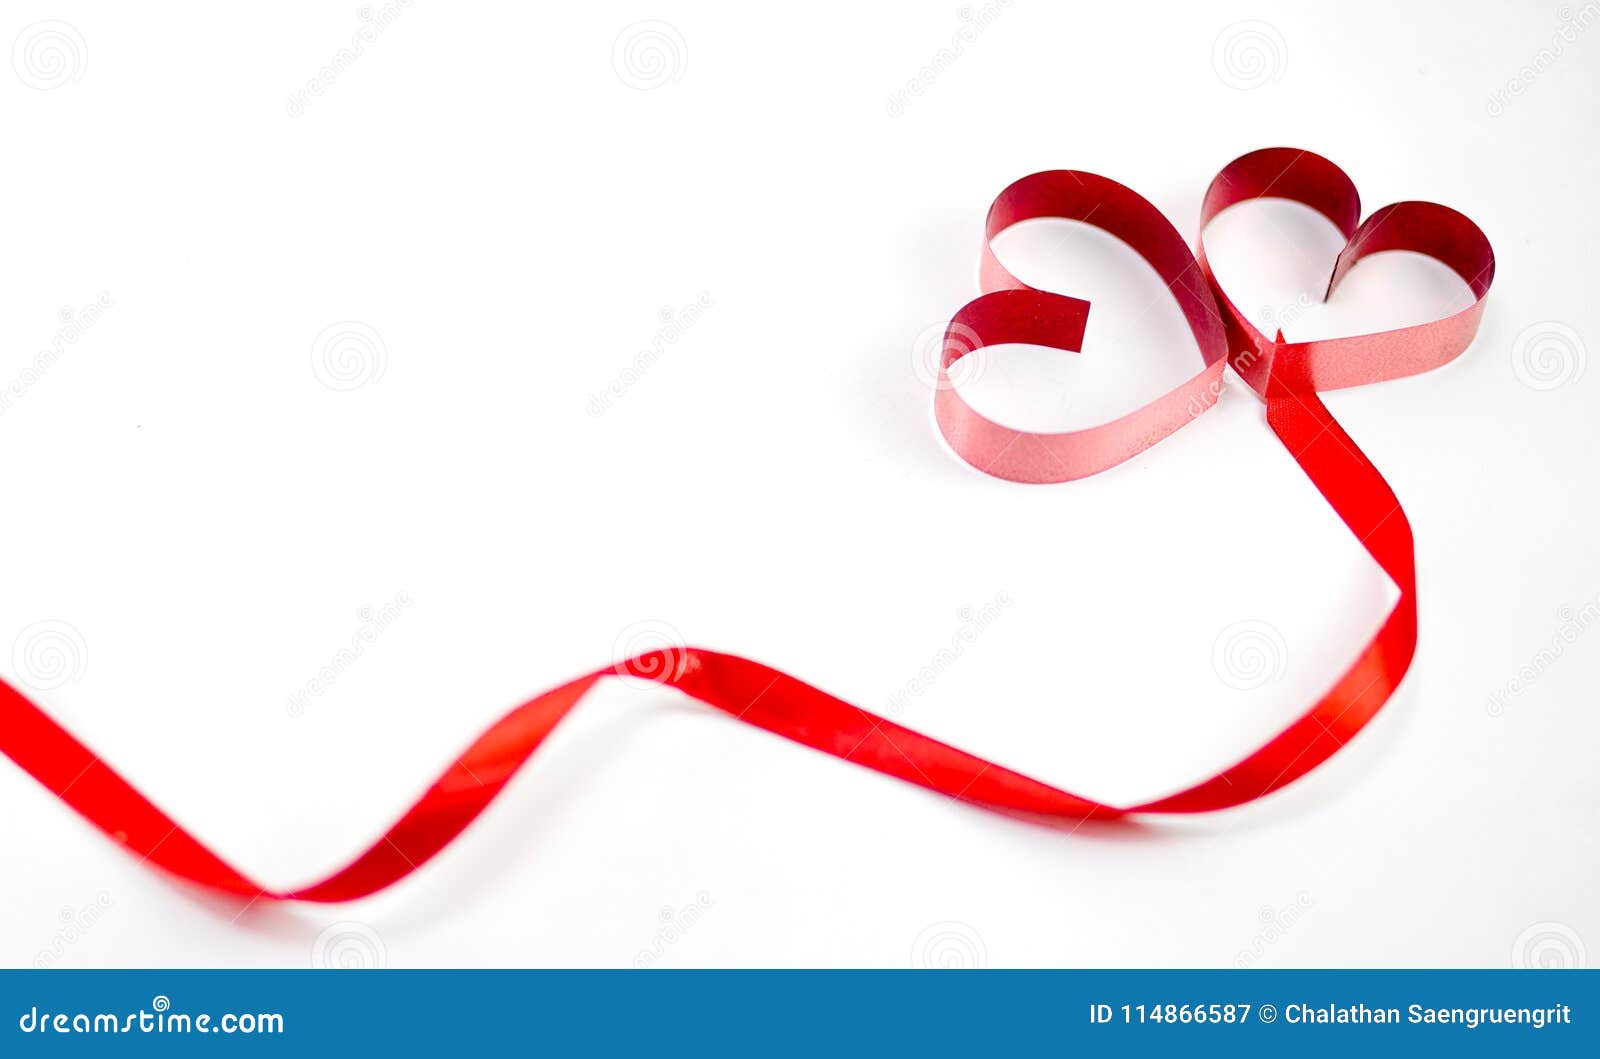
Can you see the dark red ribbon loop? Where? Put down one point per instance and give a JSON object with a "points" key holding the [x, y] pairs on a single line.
{"points": [[1288, 374], [1335, 363], [1021, 313]]}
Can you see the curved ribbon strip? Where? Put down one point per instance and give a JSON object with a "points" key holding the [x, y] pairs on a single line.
{"points": [[1335, 363], [771, 699], [1016, 312]]}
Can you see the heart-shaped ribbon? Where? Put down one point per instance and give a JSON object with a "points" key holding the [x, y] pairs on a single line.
{"points": [[1272, 365], [1287, 375], [1017, 313]]}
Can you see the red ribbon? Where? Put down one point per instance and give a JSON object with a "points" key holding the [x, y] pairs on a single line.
{"points": [[1286, 374]]}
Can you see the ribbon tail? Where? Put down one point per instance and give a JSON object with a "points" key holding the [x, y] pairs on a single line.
{"points": [[1363, 500]]}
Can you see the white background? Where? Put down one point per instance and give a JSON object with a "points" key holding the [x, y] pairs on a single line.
{"points": [[512, 203]]}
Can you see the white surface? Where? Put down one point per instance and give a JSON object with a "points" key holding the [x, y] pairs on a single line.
{"points": [[499, 197]]}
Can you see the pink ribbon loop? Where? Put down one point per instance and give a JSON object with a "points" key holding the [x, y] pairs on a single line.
{"points": [[1335, 363], [1018, 313]]}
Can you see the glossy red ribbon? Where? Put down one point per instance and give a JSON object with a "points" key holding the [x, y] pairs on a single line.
{"points": [[1287, 375]]}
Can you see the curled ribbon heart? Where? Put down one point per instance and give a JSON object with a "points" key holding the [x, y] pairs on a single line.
{"points": [[1287, 375]]}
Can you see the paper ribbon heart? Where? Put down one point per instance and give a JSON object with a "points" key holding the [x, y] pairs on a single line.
{"points": [[1016, 312], [1334, 363], [1287, 374]]}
